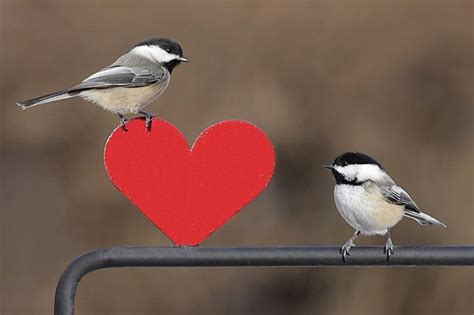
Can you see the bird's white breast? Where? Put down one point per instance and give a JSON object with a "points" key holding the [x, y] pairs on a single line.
{"points": [[125, 100], [365, 208]]}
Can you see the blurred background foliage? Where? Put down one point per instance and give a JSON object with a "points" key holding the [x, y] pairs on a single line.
{"points": [[393, 79]]}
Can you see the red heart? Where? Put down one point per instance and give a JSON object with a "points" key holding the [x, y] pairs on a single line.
{"points": [[189, 193]]}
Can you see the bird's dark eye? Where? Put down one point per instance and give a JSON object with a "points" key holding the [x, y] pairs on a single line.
{"points": [[168, 50]]}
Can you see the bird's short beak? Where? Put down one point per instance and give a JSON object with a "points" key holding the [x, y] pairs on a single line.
{"points": [[329, 167], [183, 59]]}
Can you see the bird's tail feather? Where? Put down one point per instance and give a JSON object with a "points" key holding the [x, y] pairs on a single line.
{"points": [[46, 99], [423, 218]]}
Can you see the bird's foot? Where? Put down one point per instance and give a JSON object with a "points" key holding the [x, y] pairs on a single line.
{"points": [[148, 121], [123, 121], [388, 248], [345, 249], [148, 118]]}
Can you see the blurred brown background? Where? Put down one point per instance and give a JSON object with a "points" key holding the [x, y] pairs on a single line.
{"points": [[391, 79]]}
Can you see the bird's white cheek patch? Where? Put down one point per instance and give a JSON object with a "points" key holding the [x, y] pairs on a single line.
{"points": [[154, 53], [362, 172]]}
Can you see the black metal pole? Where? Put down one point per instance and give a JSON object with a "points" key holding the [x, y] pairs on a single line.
{"points": [[119, 257]]}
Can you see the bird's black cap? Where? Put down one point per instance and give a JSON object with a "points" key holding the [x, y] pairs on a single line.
{"points": [[350, 158]]}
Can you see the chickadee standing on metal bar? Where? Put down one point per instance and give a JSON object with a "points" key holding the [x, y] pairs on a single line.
{"points": [[129, 84], [369, 200]]}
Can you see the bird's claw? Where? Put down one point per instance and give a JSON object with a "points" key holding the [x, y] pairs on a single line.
{"points": [[344, 251], [123, 121], [388, 249], [148, 118]]}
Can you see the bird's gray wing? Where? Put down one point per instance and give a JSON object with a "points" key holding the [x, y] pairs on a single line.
{"points": [[395, 194], [121, 76]]}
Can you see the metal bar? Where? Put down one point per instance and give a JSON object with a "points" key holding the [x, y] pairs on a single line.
{"points": [[119, 257]]}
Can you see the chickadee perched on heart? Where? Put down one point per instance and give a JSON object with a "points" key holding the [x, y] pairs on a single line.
{"points": [[369, 200], [132, 82]]}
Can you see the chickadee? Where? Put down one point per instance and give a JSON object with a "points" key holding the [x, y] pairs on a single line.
{"points": [[369, 200], [129, 84]]}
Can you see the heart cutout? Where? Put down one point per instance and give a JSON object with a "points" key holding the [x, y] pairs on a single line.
{"points": [[188, 193]]}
